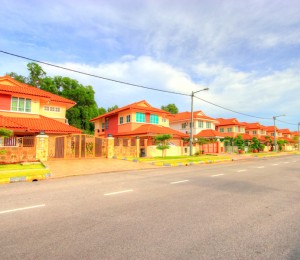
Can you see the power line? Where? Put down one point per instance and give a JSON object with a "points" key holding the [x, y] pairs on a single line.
{"points": [[95, 76], [135, 85], [232, 110], [286, 122]]}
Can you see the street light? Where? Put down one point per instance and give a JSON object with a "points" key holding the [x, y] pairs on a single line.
{"points": [[192, 118], [298, 136], [275, 143]]}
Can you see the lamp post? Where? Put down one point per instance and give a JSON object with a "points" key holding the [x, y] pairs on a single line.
{"points": [[192, 118], [275, 142], [298, 136]]}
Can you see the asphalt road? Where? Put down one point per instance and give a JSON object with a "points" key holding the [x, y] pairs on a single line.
{"points": [[240, 210]]}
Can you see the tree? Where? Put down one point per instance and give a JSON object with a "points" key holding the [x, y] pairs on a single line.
{"points": [[101, 111], [281, 143], [5, 132], [172, 108], [36, 74], [162, 142], [239, 142], [84, 96], [17, 77], [112, 108]]}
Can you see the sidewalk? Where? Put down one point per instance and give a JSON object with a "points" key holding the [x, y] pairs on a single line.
{"points": [[64, 168]]}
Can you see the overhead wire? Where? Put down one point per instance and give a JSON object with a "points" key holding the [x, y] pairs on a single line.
{"points": [[135, 85], [93, 75], [286, 122], [232, 110]]}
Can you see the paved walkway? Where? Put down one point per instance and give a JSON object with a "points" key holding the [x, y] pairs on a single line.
{"points": [[64, 168]]}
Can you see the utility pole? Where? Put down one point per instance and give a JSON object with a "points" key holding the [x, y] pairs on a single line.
{"points": [[275, 141], [298, 136], [192, 118]]}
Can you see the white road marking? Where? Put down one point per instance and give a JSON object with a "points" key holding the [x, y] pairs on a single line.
{"points": [[117, 192], [19, 209], [241, 170], [260, 167], [175, 182], [275, 164], [216, 175]]}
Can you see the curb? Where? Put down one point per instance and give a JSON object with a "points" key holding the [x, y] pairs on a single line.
{"points": [[21, 178], [25, 178]]}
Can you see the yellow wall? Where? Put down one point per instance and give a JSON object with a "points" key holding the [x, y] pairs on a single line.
{"points": [[52, 114]]}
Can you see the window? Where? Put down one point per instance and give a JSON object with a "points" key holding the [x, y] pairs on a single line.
{"points": [[208, 124], [236, 129], [229, 130], [128, 119], [254, 132], [21, 104], [52, 109], [140, 117], [102, 125], [242, 129], [121, 120], [272, 134], [200, 124], [222, 130], [153, 119], [164, 120], [106, 123], [183, 126]]}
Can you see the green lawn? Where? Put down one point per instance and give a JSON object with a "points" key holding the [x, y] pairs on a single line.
{"points": [[27, 171], [184, 159]]}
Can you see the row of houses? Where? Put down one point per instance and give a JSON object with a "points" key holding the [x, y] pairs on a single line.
{"points": [[29, 111]]}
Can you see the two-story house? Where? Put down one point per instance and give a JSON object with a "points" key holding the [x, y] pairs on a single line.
{"points": [[182, 122], [27, 110], [136, 119], [256, 130], [270, 132], [230, 126]]}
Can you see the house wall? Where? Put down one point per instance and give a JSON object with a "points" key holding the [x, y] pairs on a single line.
{"points": [[196, 129], [52, 114], [112, 125], [5, 101]]}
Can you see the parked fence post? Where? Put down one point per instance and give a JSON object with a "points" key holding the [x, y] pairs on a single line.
{"points": [[42, 143], [110, 151]]}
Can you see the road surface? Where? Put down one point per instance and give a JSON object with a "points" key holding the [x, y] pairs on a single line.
{"points": [[239, 210]]}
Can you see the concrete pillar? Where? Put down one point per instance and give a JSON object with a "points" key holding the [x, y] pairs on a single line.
{"points": [[110, 151], [138, 147], [42, 144]]}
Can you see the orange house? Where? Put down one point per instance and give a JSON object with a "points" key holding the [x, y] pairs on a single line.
{"points": [[136, 119], [27, 110]]}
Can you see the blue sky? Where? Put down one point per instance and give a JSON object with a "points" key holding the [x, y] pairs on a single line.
{"points": [[246, 52]]}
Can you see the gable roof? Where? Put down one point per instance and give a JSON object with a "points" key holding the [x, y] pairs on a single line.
{"points": [[270, 128], [152, 130], [285, 131], [8, 85], [209, 133], [183, 116], [255, 125], [228, 121], [37, 124], [142, 105]]}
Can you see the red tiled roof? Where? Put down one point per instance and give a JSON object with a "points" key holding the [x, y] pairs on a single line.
{"points": [[228, 121], [37, 124], [133, 106], [24, 89], [6, 122], [254, 126], [270, 128], [149, 129], [210, 133], [295, 133], [187, 116], [285, 131]]}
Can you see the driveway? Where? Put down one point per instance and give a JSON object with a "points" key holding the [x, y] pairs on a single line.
{"points": [[65, 168]]}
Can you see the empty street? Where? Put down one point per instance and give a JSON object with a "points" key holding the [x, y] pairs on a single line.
{"points": [[238, 210]]}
